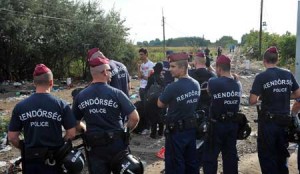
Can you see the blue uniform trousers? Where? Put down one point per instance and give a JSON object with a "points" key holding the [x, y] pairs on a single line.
{"points": [[224, 137], [200, 151], [181, 154], [298, 158], [99, 157], [272, 146], [39, 166]]}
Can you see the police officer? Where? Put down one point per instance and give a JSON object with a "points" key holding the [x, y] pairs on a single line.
{"points": [[181, 98], [120, 78], [167, 76], [41, 117], [295, 113], [202, 75], [225, 94], [102, 107], [274, 87]]}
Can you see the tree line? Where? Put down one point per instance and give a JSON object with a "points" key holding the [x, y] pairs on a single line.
{"points": [[59, 33]]}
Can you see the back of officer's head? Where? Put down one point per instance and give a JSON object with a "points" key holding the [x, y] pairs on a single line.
{"points": [[42, 75], [98, 66], [223, 62], [271, 55], [200, 58]]}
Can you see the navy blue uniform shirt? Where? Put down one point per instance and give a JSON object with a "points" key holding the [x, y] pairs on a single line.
{"points": [[41, 116], [182, 97], [202, 75], [274, 87], [167, 76], [225, 95], [119, 76], [103, 107]]}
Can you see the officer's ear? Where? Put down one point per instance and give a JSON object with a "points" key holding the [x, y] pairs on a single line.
{"points": [[51, 83]]}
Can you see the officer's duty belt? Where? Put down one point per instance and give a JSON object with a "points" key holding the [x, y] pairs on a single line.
{"points": [[229, 116], [103, 138], [39, 153], [182, 125], [279, 119]]}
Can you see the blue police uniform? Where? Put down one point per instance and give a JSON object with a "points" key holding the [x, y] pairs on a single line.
{"points": [[103, 108], [274, 87], [181, 97], [166, 73], [119, 76], [41, 117], [202, 75], [225, 99], [298, 153]]}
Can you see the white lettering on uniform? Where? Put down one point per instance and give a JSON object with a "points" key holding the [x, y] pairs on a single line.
{"points": [[96, 111], [279, 90], [40, 113], [187, 95], [39, 124], [277, 83], [97, 101], [227, 94], [195, 100], [230, 102]]}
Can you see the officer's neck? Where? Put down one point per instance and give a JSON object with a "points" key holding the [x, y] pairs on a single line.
{"points": [[198, 66], [270, 65], [226, 74], [99, 80], [42, 89], [183, 76]]}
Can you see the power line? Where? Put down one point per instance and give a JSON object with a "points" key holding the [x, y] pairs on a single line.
{"points": [[26, 14]]}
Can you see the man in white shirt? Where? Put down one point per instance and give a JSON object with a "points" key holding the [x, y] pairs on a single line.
{"points": [[144, 71]]}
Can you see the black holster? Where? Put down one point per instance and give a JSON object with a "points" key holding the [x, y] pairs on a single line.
{"points": [[182, 125], [36, 153], [103, 138], [280, 120]]}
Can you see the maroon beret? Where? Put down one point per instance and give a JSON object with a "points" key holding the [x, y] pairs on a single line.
{"points": [[98, 61], [178, 56], [200, 54], [272, 50], [91, 52], [222, 59], [40, 69]]}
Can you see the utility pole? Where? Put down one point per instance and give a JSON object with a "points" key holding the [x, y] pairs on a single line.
{"points": [[260, 28], [297, 63], [164, 39]]}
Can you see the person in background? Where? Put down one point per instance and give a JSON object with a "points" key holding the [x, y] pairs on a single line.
{"points": [[167, 76], [274, 87], [102, 107], [41, 117], [154, 112], [219, 51], [144, 71], [181, 98]]}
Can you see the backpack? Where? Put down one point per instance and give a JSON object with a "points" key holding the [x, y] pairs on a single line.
{"points": [[154, 92]]}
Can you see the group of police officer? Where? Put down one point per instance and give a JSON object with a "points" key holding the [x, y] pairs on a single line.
{"points": [[104, 109]]}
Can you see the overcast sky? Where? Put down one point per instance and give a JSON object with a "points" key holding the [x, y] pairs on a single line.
{"points": [[209, 18]]}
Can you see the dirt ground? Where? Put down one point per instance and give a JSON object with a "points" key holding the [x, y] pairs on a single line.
{"points": [[146, 148]]}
